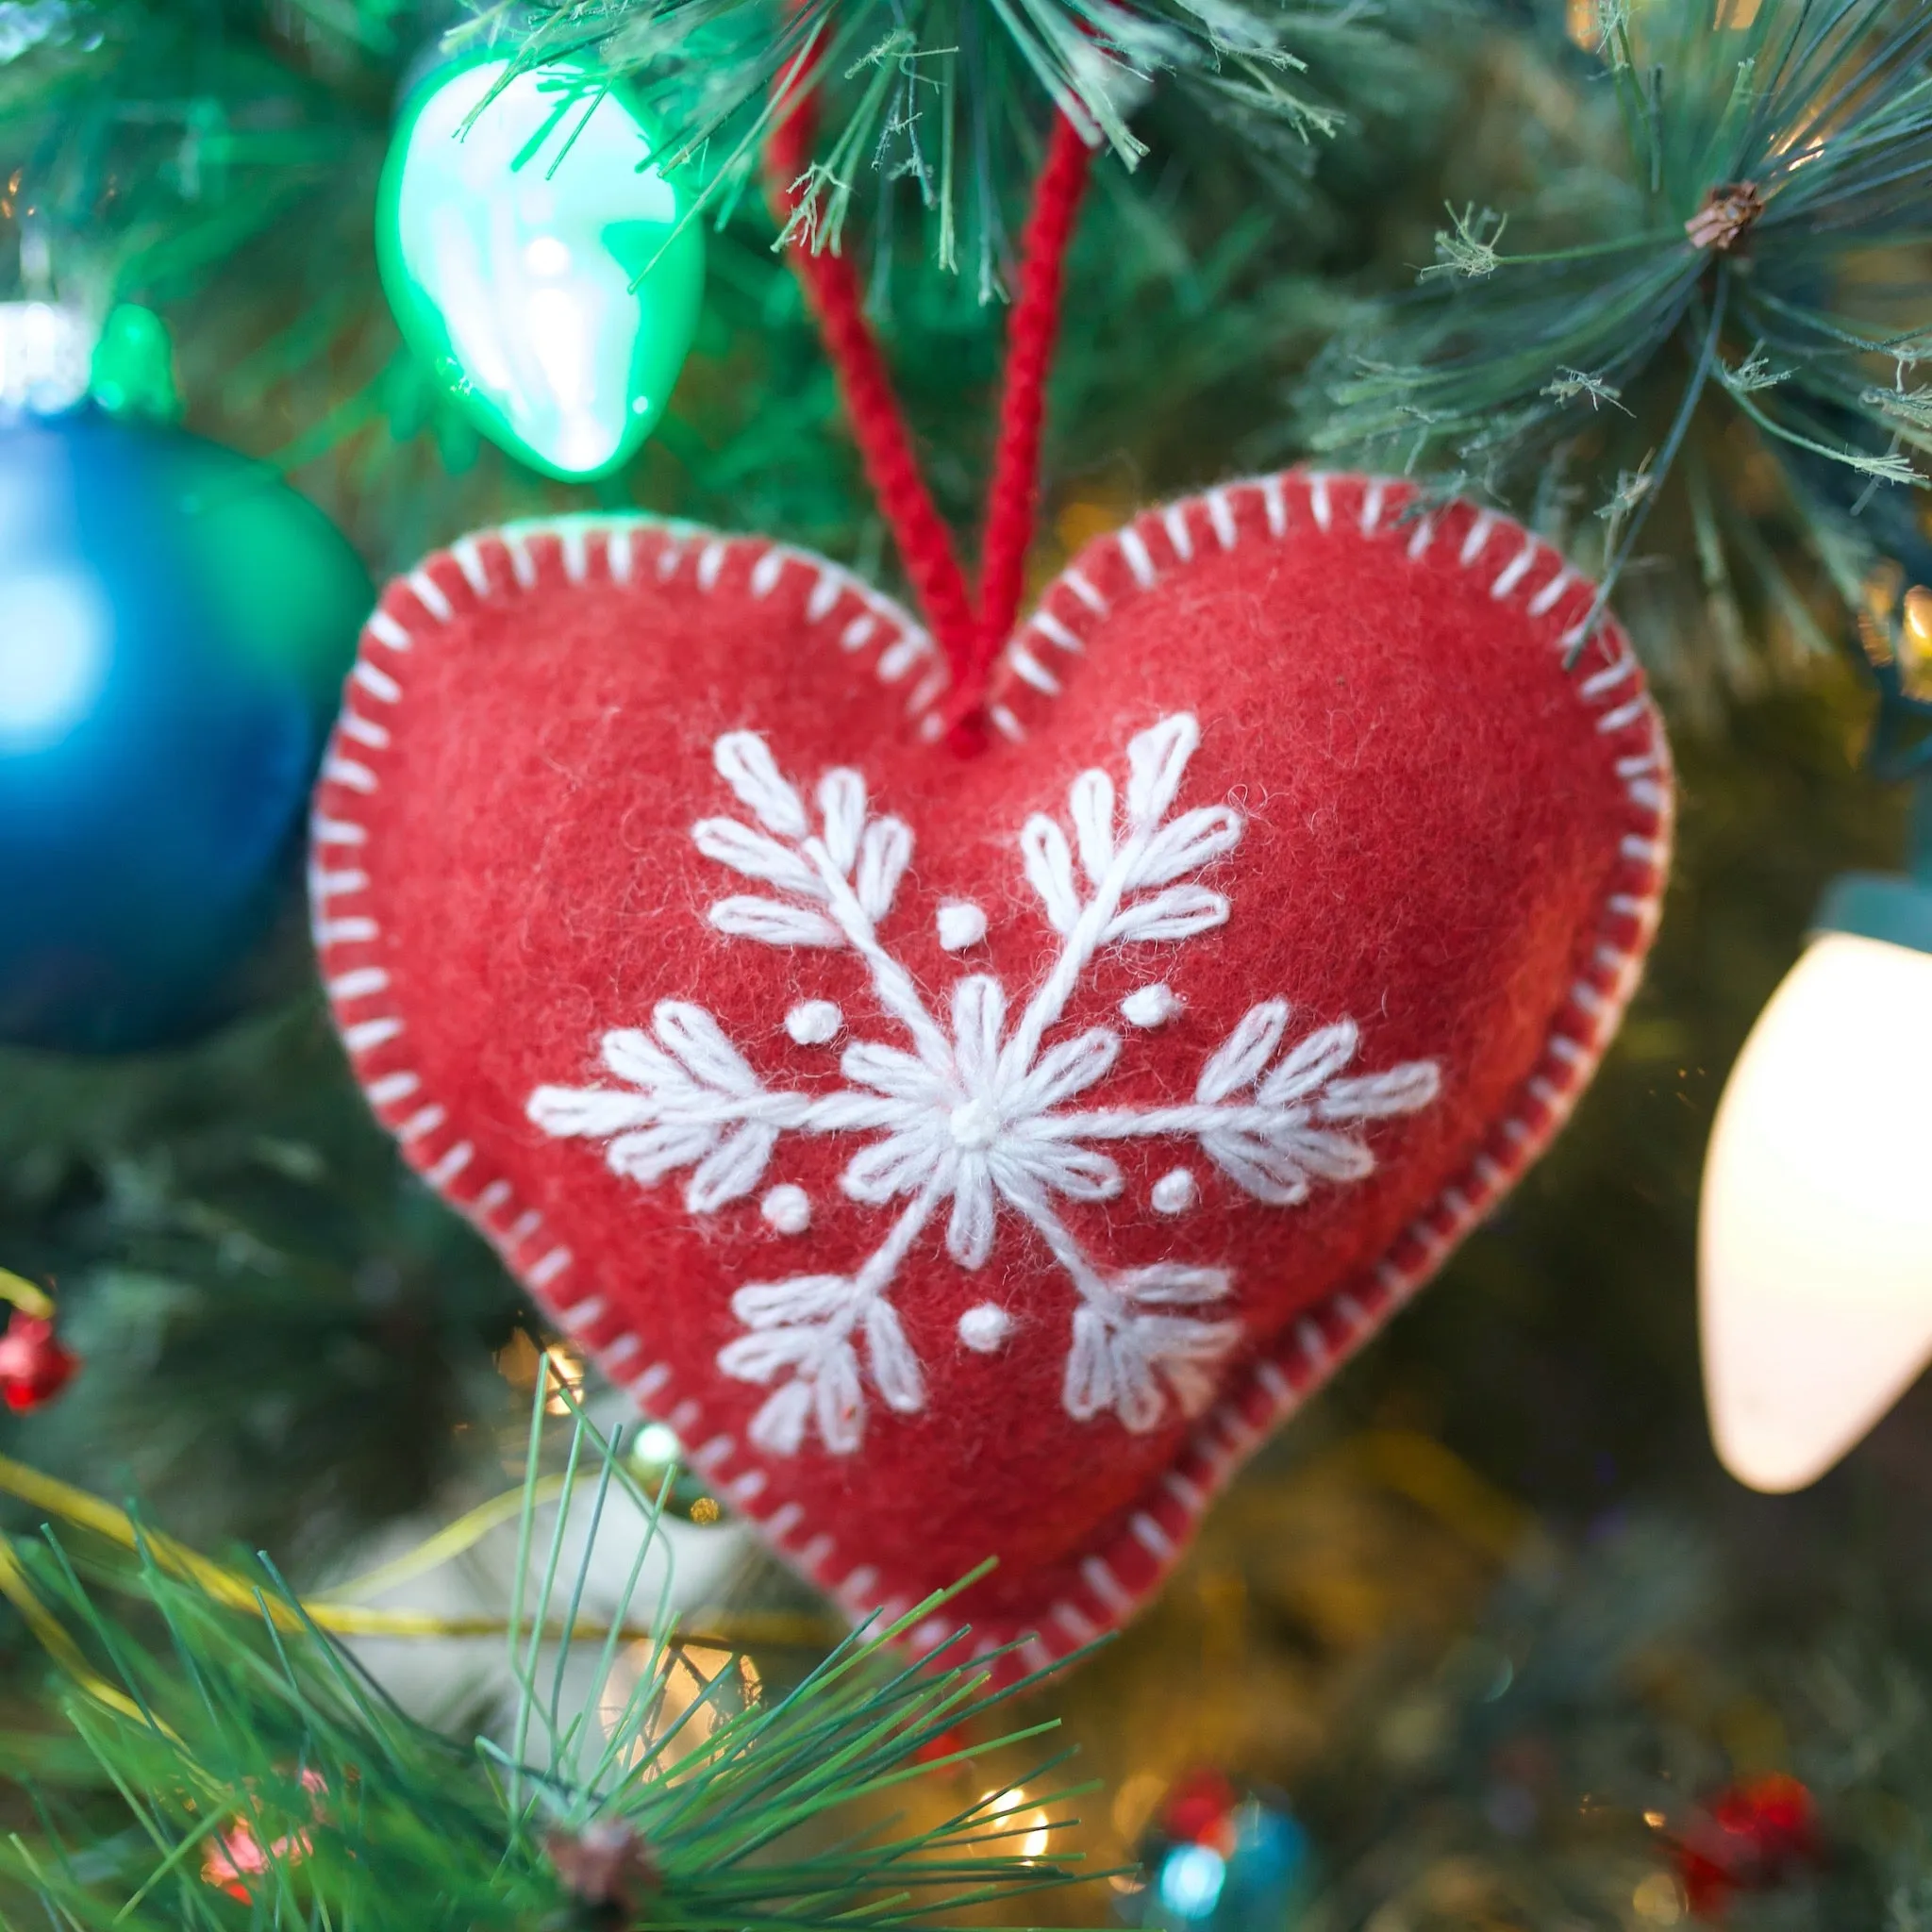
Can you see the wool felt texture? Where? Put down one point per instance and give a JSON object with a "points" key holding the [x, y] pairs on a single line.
{"points": [[976, 1156]]}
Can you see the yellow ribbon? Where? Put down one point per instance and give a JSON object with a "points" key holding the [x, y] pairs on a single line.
{"points": [[1408, 1463], [339, 1613], [17, 1588], [24, 1296]]}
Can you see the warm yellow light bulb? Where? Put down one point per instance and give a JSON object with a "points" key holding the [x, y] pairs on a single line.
{"points": [[1816, 1242], [1918, 613], [1915, 645]]}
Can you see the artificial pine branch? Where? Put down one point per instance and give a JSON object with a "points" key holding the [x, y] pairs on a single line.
{"points": [[1737, 296], [947, 94], [239, 1770], [219, 164]]}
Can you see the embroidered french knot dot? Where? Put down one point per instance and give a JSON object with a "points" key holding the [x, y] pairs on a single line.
{"points": [[1150, 1006], [982, 1329], [961, 924], [1175, 1191], [812, 1023], [787, 1209]]}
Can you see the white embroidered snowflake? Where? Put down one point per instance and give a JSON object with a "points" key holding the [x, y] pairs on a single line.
{"points": [[975, 1112]]}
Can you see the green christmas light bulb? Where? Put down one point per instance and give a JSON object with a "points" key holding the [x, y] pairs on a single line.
{"points": [[534, 260]]}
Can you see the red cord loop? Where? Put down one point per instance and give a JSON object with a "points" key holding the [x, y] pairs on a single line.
{"points": [[971, 638], [1013, 499]]}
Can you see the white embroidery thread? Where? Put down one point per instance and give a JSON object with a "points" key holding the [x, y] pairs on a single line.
{"points": [[985, 1327], [976, 1113], [960, 924]]}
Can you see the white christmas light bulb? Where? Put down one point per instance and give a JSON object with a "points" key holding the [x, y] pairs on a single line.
{"points": [[46, 353], [1816, 1239]]}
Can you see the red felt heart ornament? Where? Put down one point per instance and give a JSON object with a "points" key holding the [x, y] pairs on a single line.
{"points": [[976, 1156]]}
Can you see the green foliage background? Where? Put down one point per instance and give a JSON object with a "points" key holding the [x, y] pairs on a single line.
{"points": [[288, 1341]]}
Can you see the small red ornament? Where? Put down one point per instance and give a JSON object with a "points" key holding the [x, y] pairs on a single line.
{"points": [[237, 1856], [34, 1368], [1200, 1809], [1753, 1836]]}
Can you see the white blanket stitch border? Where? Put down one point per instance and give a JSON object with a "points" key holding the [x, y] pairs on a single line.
{"points": [[870, 628]]}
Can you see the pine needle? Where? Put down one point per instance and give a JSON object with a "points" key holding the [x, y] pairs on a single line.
{"points": [[1733, 270], [268, 1780]]}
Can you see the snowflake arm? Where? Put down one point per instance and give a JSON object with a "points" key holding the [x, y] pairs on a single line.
{"points": [[837, 883], [1275, 1132], [1284, 1137], [1123, 1339], [1130, 860], [691, 1101], [803, 1327]]}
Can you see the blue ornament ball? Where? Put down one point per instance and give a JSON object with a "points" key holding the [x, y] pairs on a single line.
{"points": [[1216, 1861], [174, 627]]}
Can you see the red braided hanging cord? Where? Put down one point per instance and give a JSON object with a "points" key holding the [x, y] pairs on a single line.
{"points": [[1013, 497], [971, 638], [884, 443]]}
